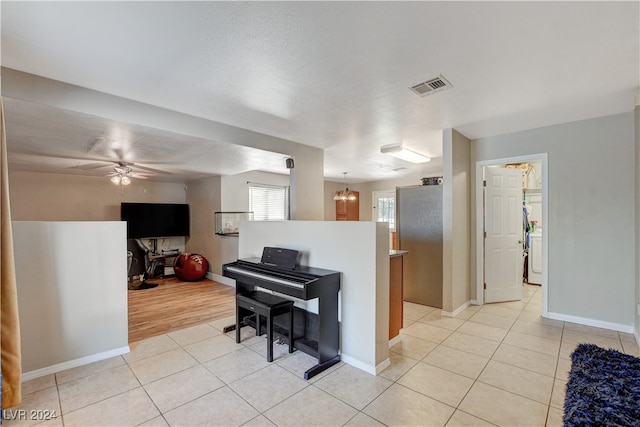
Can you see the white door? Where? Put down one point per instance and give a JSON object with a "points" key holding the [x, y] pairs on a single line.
{"points": [[503, 222]]}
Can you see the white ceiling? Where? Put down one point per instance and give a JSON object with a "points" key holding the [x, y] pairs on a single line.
{"points": [[334, 75]]}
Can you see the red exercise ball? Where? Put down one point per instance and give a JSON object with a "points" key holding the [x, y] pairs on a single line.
{"points": [[190, 267]]}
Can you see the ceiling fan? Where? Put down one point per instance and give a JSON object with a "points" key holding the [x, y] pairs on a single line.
{"points": [[123, 172]]}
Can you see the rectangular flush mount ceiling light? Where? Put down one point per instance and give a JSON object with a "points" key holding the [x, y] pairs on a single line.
{"points": [[397, 150]]}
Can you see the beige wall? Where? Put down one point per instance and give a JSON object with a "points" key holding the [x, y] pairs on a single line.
{"points": [[591, 223], [307, 182], [456, 221], [330, 189], [204, 198], [54, 197], [235, 190]]}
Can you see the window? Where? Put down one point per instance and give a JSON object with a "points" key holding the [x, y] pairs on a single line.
{"points": [[269, 202], [384, 209]]}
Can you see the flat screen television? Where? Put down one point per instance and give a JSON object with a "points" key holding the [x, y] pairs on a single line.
{"points": [[150, 220]]}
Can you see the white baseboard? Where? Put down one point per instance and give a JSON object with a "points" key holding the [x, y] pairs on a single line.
{"points": [[395, 340], [221, 279], [382, 366], [457, 310], [358, 364], [74, 363], [590, 322]]}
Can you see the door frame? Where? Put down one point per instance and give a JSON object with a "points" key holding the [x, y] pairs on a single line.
{"points": [[375, 195], [543, 158]]}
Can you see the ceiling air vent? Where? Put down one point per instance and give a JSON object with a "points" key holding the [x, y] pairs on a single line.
{"points": [[431, 86]]}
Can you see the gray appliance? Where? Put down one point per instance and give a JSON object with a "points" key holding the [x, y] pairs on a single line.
{"points": [[419, 216]]}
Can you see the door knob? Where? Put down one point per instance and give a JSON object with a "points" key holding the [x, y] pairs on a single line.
{"points": [[521, 241]]}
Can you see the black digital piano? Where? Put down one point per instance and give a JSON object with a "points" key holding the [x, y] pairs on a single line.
{"points": [[315, 334]]}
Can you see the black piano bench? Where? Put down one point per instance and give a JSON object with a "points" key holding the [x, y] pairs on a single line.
{"points": [[269, 306]]}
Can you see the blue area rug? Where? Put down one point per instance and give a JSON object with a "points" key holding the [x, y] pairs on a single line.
{"points": [[603, 388]]}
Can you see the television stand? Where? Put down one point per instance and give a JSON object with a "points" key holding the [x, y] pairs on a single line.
{"points": [[162, 252], [154, 247], [170, 252], [167, 260]]}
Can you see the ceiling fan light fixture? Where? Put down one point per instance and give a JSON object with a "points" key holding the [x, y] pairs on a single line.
{"points": [[122, 174], [398, 151]]}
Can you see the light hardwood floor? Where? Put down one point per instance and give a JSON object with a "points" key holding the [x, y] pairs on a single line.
{"points": [[175, 305]]}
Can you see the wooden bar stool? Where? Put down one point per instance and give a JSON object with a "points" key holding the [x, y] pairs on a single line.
{"points": [[269, 306]]}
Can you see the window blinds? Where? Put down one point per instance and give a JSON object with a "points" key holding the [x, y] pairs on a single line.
{"points": [[269, 203]]}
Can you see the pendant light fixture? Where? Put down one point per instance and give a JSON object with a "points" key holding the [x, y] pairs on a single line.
{"points": [[345, 194]]}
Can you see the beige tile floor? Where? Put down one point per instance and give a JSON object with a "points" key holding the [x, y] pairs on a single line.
{"points": [[500, 364]]}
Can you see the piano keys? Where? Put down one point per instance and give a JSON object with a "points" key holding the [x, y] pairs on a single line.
{"points": [[315, 334]]}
